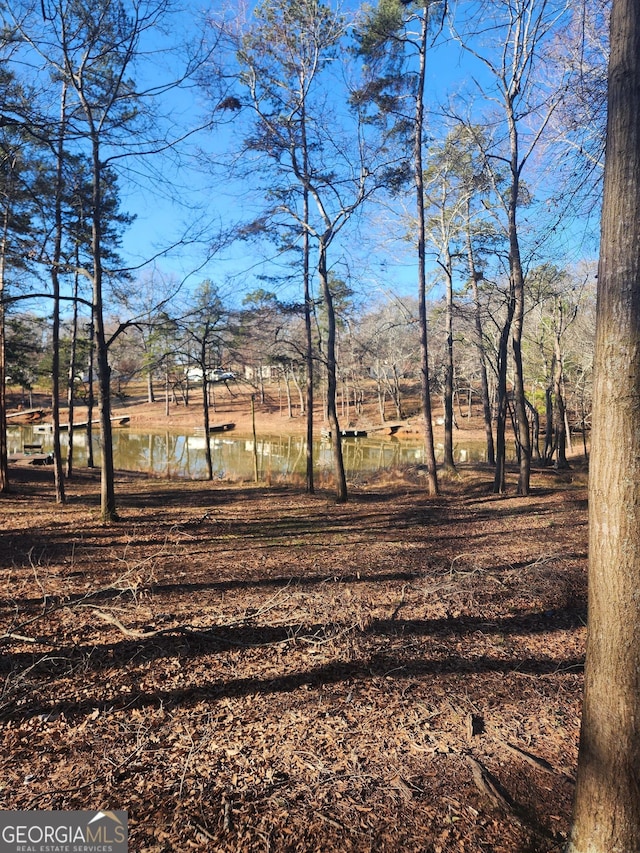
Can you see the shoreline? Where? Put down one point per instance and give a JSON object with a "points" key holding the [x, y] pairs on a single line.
{"points": [[271, 417]]}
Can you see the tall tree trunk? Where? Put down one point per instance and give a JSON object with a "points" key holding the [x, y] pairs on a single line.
{"points": [[90, 394], [535, 430], [55, 386], [287, 385], [549, 445], [607, 804], [151, 397], [560, 414], [55, 282], [4, 450], [517, 284], [430, 454], [107, 475], [382, 394], [476, 276], [308, 301], [499, 480], [71, 376], [448, 375], [332, 385], [397, 393], [296, 381], [166, 388], [205, 417], [309, 370]]}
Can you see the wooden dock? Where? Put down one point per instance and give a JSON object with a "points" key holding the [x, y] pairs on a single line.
{"points": [[116, 420], [387, 429], [27, 416], [30, 459], [216, 428], [347, 433]]}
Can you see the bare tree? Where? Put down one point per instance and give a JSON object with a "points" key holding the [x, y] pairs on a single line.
{"points": [[577, 129], [450, 184], [283, 57], [519, 31], [201, 330], [395, 37], [92, 50], [21, 184]]}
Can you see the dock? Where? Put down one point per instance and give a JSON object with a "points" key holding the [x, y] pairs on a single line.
{"points": [[216, 428], [116, 420], [28, 416], [30, 459], [387, 429], [347, 433]]}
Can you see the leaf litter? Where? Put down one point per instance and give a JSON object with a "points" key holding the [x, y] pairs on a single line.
{"points": [[252, 669]]}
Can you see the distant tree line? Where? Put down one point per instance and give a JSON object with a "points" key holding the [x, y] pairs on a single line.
{"points": [[262, 342]]}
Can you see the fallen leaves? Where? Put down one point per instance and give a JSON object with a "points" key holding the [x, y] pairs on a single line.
{"points": [[296, 676]]}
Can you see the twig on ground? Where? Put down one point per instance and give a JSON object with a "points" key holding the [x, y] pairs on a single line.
{"points": [[93, 781]]}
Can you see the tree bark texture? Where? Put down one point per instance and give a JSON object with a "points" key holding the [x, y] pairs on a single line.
{"points": [[71, 393], [4, 450], [559, 412], [499, 480], [475, 276], [90, 393], [607, 805], [107, 474], [430, 455], [517, 287], [4, 248], [58, 472], [205, 413], [332, 385], [4, 456], [308, 355], [448, 381]]}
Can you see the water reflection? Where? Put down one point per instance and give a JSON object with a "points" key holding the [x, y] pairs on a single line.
{"points": [[179, 455]]}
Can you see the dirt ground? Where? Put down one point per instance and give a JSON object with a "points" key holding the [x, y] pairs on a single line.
{"points": [[248, 669]]}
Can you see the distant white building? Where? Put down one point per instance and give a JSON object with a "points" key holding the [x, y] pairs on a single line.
{"points": [[263, 371], [217, 374]]}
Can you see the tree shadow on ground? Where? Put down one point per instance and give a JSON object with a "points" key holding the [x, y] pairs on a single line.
{"points": [[196, 643]]}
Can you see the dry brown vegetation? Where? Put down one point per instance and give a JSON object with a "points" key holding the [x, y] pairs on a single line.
{"points": [[252, 669]]}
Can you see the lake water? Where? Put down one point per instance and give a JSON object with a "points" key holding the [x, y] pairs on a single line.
{"points": [[174, 454]]}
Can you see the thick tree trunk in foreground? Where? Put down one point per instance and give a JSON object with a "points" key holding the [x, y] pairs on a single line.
{"points": [[607, 807]]}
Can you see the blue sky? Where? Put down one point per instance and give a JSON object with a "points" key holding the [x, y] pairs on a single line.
{"points": [[180, 198], [191, 200]]}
